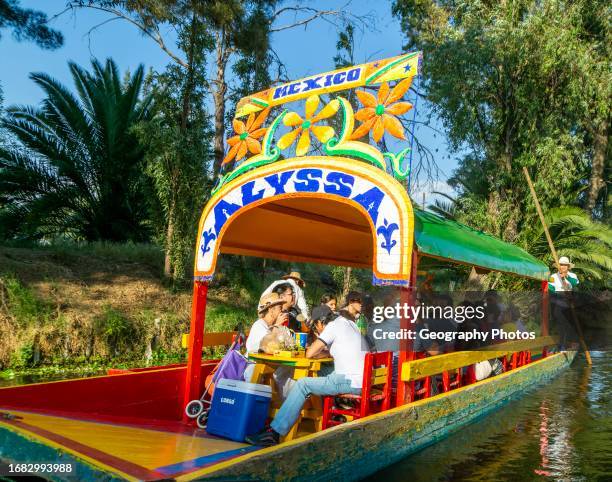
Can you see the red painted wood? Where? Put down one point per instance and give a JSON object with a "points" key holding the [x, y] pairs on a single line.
{"points": [[132, 397], [192, 386], [405, 391], [366, 404]]}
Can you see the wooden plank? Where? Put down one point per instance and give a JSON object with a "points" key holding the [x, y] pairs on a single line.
{"points": [[212, 339], [379, 380], [426, 367]]}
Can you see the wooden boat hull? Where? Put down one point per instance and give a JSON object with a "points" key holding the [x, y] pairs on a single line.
{"points": [[365, 446], [361, 447]]}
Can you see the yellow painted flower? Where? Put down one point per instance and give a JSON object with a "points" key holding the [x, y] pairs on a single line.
{"points": [[305, 126], [246, 137], [378, 114]]}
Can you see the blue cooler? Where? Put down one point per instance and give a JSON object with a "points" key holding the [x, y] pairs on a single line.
{"points": [[238, 409]]}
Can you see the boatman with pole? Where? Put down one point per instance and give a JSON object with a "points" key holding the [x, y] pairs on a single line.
{"points": [[560, 286]]}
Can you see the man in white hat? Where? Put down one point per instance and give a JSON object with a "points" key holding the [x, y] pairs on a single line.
{"points": [[560, 285], [297, 283], [564, 279]]}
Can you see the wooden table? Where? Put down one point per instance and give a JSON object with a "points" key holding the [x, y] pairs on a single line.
{"points": [[303, 367]]}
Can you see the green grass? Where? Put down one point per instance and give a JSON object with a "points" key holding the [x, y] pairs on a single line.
{"points": [[144, 253], [226, 317], [24, 306]]}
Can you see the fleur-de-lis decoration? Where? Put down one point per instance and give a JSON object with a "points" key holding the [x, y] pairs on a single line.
{"points": [[378, 113], [246, 138], [208, 236], [386, 230], [304, 126]]}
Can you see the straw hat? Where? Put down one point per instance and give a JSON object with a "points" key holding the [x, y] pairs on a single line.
{"points": [[295, 275], [565, 261], [268, 301]]}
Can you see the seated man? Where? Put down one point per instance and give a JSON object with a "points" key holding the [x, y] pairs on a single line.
{"points": [[346, 345], [297, 283], [270, 315]]}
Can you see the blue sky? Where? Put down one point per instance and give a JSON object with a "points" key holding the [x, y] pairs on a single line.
{"points": [[304, 52]]}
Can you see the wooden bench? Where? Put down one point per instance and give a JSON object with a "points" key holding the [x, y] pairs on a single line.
{"points": [[520, 352], [211, 339]]}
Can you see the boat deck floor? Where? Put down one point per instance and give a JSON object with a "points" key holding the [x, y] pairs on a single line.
{"points": [[131, 451]]}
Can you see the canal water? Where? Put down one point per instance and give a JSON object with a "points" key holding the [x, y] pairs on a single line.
{"points": [[560, 431]]}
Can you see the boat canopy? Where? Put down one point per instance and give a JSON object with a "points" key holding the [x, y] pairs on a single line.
{"points": [[315, 189], [449, 240]]}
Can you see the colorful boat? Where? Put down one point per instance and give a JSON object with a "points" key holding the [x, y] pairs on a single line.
{"points": [[345, 205]]}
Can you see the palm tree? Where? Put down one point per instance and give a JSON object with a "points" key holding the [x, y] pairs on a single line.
{"points": [[447, 209], [587, 243], [77, 167]]}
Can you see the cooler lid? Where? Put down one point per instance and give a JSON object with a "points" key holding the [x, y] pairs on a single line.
{"points": [[245, 387]]}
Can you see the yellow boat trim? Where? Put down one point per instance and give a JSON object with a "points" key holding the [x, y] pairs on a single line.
{"points": [[426, 367]]}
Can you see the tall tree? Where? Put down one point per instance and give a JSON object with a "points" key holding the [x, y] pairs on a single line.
{"points": [[28, 24], [240, 31], [509, 95], [79, 169], [177, 142]]}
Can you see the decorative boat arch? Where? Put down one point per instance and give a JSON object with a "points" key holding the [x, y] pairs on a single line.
{"points": [[349, 205]]}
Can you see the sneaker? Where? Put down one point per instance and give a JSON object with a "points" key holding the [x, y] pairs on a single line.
{"points": [[266, 438], [339, 418]]}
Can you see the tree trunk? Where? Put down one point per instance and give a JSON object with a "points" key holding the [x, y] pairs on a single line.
{"points": [[169, 270], [346, 285], [600, 148], [219, 99], [169, 236]]}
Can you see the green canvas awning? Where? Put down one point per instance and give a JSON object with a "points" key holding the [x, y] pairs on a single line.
{"points": [[442, 238]]}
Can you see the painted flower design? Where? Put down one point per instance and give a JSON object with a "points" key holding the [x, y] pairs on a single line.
{"points": [[305, 126], [246, 138], [378, 114]]}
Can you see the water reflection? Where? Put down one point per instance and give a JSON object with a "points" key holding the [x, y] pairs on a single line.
{"points": [[27, 379], [560, 431]]}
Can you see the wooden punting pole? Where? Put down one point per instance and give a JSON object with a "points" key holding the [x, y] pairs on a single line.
{"points": [[556, 258]]}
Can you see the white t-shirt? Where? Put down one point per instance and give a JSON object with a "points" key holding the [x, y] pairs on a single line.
{"points": [[259, 329], [348, 348]]}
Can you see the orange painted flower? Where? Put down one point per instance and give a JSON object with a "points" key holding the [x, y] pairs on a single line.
{"points": [[246, 137], [304, 126], [378, 114]]}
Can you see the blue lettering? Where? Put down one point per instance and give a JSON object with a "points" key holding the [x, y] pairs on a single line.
{"points": [[353, 74], [311, 178], [339, 183], [248, 196], [328, 80], [339, 78], [280, 91], [294, 88], [278, 183], [312, 84], [223, 210], [371, 200]]}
